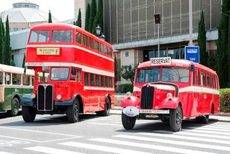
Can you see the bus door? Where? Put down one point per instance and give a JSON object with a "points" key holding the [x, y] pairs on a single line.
{"points": [[76, 78]]}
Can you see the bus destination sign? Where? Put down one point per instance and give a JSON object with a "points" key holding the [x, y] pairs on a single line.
{"points": [[48, 51]]}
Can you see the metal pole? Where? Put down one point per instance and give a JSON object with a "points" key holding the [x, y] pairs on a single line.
{"points": [[158, 46], [190, 23]]}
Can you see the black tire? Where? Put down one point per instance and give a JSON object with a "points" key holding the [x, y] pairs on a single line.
{"points": [[203, 119], [72, 112], [106, 112], [176, 118], [28, 113], [164, 119], [128, 122], [15, 105]]}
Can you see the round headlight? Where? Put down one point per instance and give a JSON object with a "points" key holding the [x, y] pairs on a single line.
{"points": [[58, 97]]}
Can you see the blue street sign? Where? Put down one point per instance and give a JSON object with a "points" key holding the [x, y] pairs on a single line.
{"points": [[192, 53]]}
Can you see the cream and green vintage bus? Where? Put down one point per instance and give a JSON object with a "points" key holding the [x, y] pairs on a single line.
{"points": [[14, 83]]}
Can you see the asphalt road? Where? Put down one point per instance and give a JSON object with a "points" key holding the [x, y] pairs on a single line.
{"points": [[98, 135]]}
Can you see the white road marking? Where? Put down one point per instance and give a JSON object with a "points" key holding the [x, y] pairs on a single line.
{"points": [[38, 131], [4, 152], [101, 148], [174, 142], [176, 136], [204, 131], [149, 146], [16, 138], [212, 129], [104, 124], [49, 150]]}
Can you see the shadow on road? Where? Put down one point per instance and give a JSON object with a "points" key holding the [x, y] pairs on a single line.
{"points": [[46, 120], [160, 127]]}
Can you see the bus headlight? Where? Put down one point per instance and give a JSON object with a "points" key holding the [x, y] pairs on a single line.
{"points": [[58, 97]]}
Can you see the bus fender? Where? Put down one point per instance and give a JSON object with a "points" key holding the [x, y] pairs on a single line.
{"points": [[27, 100], [172, 103], [130, 101]]}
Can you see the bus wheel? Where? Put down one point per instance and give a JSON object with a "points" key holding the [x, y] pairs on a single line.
{"points": [[107, 108], [72, 112], [176, 118], [14, 107], [128, 122], [203, 119], [28, 113], [164, 119]]}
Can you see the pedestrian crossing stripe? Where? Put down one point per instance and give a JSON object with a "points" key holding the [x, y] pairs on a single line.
{"points": [[184, 137], [101, 148], [211, 129], [175, 142], [149, 146], [48, 150], [1, 152], [204, 132]]}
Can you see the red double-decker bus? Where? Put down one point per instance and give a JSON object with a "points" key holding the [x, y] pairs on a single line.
{"points": [[74, 72], [173, 89]]}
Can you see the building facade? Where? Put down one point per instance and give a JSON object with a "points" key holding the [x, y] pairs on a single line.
{"points": [[81, 4], [130, 27]]}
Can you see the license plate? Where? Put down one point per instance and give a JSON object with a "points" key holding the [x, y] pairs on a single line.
{"points": [[48, 51], [151, 111]]}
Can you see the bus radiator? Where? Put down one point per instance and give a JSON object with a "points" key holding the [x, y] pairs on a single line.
{"points": [[147, 94], [45, 98]]}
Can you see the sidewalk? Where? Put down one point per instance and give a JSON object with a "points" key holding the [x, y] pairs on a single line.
{"points": [[223, 117]]}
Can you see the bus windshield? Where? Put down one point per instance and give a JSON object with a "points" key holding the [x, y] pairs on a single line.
{"points": [[61, 36], [165, 74], [59, 73]]}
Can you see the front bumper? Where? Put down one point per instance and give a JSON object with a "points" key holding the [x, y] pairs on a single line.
{"points": [[132, 111]]}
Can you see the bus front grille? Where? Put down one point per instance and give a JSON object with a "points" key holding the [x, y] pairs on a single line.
{"points": [[45, 98], [147, 94]]}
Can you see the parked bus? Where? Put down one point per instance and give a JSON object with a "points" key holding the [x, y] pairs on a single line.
{"points": [[14, 83], [80, 71], [174, 90]]}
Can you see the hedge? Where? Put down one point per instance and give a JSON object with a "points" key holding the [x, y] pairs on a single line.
{"points": [[225, 100]]}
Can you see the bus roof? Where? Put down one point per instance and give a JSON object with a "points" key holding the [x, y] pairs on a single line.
{"points": [[17, 70], [178, 63], [63, 26]]}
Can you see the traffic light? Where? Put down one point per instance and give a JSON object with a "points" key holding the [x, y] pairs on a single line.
{"points": [[157, 18]]}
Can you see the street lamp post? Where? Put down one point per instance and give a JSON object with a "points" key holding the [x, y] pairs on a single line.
{"points": [[99, 32], [158, 21]]}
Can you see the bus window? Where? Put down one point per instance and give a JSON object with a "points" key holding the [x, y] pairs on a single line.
{"points": [[78, 38], [202, 79], [60, 73], [8, 78], [62, 36], [175, 74], [86, 79], [39, 36], [210, 82], [1, 77], [92, 82], [16, 79], [73, 73], [26, 80], [78, 75], [102, 81], [97, 80]]}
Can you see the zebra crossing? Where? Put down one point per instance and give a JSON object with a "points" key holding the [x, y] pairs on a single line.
{"points": [[201, 140]]}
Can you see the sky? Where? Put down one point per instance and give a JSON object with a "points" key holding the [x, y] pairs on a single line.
{"points": [[60, 9]]}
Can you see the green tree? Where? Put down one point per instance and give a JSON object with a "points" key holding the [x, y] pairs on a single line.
{"points": [[78, 22], [127, 72], [222, 64], [49, 17], [87, 18], [202, 40], [1, 40], [100, 13], [93, 13], [7, 55]]}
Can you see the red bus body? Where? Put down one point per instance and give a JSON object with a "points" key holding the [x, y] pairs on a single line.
{"points": [[87, 61], [194, 91]]}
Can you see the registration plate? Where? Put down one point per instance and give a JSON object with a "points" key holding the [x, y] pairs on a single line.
{"points": [[151, 111], [48, 51]]}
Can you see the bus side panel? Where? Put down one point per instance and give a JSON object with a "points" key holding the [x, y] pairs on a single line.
{"points": [[184, 98]]}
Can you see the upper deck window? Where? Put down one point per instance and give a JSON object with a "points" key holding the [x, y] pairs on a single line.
{"points": [[61, 36], [59, 73], [39, 36]]}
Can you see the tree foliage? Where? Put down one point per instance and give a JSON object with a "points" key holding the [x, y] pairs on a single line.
{"points": [[100, 13], [127, 72], [49, 17], [78, 22], [7, 55], [1, 40], [223, 58], [93, 13], [87, 18], [202, 40]]}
